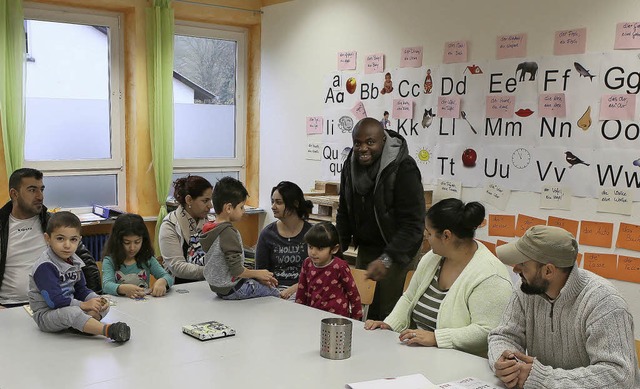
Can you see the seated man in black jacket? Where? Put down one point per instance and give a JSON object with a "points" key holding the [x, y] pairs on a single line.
{"points": [[23, 221]]}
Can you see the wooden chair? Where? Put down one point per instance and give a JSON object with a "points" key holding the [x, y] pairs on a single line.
{"points": [[638, 351], [366, 288], [407, 279]]}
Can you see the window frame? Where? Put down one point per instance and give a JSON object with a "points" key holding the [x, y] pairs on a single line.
{"points": [[237, 164], [116, 164]]}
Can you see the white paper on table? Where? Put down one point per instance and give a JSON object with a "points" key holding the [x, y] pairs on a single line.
{"points": [[413, 381], [467, 383]]}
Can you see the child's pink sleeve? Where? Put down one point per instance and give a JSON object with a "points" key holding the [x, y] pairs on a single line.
{"points": [[301, 293]]}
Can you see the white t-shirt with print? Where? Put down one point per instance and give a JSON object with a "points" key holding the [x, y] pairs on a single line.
{"points": [[26, 244]]}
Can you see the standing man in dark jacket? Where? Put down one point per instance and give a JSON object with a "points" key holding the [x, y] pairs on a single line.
{"points": [[381, 210], [23, 221]]}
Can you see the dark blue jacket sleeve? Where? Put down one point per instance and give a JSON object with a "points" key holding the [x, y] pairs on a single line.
{"points": [[47, 280], [81, 290]]}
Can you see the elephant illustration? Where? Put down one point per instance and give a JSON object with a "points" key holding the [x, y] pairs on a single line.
{"points": [[527, 67]]}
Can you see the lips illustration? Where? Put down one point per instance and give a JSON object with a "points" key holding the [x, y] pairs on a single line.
{"points": [[523, 113]]}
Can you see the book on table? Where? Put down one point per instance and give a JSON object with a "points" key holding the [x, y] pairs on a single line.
{"points": [[208, 330]]}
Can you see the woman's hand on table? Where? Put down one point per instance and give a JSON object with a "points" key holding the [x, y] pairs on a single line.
{"points": [[418, 338], [374, 324]]}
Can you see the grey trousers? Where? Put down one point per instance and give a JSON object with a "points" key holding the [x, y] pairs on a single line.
{"points": [[55, 320]]}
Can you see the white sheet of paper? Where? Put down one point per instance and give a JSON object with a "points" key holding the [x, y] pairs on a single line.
{"points": [[467, 383], [313, 151], [447, 189], [496, 195], [414, 381], [555, 197], [614, 200]]}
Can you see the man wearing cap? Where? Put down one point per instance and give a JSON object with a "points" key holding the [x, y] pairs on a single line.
{"points": [[566, 327]]}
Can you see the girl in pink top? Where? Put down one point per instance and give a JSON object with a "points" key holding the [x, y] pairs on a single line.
{"points": [[325, 280]]}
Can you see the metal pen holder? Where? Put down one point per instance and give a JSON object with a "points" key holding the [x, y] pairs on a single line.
{"points": [[335, 338]]}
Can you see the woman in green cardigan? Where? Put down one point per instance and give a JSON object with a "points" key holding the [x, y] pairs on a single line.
{"points": [[459, 289]]}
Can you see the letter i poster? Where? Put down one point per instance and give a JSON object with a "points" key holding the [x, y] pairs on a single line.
{"points": [[532, 122]]}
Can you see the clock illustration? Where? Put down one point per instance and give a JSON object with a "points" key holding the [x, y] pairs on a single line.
{"points": [[521, 158]]}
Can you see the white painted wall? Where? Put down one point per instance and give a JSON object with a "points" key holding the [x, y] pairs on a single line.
{"points": [[300, 40]]}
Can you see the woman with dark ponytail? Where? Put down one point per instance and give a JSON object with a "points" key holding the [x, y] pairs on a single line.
{"points": [[179, 236], [281, 248], [459, 289]]}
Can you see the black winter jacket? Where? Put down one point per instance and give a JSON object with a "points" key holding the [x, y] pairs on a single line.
{"points": [[399, 204]]}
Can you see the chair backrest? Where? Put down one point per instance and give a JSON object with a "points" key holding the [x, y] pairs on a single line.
{"points": [[638, 351], [366, 288], [407, 279]]}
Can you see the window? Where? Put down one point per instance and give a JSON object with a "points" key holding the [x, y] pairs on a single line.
{"points": [[74, 106], [209, 101]]}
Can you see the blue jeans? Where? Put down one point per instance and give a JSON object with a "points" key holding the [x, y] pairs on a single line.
{"points": [[250, 289]]}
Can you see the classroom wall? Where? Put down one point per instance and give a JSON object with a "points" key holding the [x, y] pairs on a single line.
{"points": [[300, 41]]}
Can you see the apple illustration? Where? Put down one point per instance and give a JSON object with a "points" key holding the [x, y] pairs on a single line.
{"points": [[469, 157], [351, 85]]}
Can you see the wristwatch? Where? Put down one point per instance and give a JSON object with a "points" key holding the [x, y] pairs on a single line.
{"points": [[386, 260]]}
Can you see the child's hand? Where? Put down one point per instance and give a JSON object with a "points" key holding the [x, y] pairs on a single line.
{"points": [[159, 288], [287, 293], [131, 291], [265, 277], [105, 304], [94, 304]]}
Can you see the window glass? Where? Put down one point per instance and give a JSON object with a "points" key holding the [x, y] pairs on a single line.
{"points": [[74, 106], [67, 92], [212, 177], [79, 191], [204, 97], [209, 95]]}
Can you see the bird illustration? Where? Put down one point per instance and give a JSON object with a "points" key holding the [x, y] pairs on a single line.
{"points": [[573, 160]]}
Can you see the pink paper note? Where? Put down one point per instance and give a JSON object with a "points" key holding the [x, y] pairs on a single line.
{"points": [[511, 46], [411, 57], [314, 124], [618, 107], [402, 109], [347, 60], [552, 105], [455, 52], [374, 63], [570, 42], [627, 36], [358, 111], [500, 106], [449, 107]]}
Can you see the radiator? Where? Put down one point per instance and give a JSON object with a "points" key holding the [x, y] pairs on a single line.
{"points": [[95, 244]]}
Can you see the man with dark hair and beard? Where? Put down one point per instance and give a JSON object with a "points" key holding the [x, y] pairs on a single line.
{"points": [[566, 327], [23, 221]]}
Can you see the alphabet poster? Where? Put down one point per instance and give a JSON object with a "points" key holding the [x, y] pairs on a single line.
{"points": [[517, 146]]}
